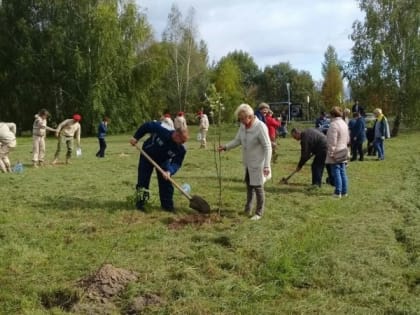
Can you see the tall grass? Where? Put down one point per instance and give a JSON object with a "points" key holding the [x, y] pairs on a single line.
{"points": [[309, 253]]}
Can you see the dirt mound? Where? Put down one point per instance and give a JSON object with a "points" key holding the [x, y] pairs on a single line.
{"points": [[107, 282], [194, 220]]}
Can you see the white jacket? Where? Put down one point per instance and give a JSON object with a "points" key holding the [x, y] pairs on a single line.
{"points": [[8, 134], [337, 138], [256, 150]]}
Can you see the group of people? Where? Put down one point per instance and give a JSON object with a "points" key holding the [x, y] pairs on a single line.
{"points": [[258, 141], [181, 122], [67, 132], [330, 146], [165, 146], [256, 134]]}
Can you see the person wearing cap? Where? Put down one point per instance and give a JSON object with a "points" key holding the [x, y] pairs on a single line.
{"points": [[262, 111], [66, 131], [167, 122], [204, 128], [180, 121], [39, 130], [7, 142]]}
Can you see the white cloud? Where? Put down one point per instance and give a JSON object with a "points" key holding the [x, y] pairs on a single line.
{"points": [[271, 31]]}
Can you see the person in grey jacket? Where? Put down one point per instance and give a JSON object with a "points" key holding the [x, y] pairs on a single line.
{"points": [[256, 156]]}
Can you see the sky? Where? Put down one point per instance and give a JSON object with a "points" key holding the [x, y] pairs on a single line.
{"points": [[270, 31]]}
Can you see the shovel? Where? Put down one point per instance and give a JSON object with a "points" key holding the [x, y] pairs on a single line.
{"points": [[196, 202], [284, 180]]}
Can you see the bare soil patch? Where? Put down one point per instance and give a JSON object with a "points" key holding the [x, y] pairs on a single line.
{"points": [[194, 219]]}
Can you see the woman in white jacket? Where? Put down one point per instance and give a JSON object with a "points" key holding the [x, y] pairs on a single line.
{"points": [[337, 139], [256, 156]]}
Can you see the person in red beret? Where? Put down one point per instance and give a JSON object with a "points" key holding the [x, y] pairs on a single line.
{"points": [[167, 122], [66, 131], [180, 121]]}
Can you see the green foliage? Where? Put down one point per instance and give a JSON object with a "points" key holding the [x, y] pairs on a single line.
{"points": [[332, 87], [384, 68], [249, 73], [70, 57], [308, 254], [272, 86], [228, 84], [186, 77]]}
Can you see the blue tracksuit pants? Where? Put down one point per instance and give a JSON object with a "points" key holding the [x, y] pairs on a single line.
{"points": [[166, 190]]}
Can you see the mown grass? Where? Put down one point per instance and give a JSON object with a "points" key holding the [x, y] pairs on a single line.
{"points": [[309, 254]]}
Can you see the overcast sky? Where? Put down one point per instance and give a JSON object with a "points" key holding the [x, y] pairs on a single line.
{"points": [[271, 31]]}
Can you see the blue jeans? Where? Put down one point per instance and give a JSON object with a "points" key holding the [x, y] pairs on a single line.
{"points": [[340, 178], [378, 143]]}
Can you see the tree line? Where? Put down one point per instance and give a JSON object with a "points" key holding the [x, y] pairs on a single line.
{"points": [[100, 58]]}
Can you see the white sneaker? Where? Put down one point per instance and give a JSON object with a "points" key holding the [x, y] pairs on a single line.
{"points": [[336, 196], [256, 217]]}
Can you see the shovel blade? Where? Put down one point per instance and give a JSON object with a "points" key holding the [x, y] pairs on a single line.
{"points": [[199, 204]]}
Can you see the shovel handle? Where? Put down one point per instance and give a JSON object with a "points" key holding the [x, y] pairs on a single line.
{"points": [[147, 156], [293, 173]]}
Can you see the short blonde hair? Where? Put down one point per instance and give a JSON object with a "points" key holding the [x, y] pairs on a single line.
{"points": [[378, 111], [244, 110]]}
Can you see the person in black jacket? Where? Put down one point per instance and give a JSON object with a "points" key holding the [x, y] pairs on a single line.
{"points": [[313, 143], [357, 136]]}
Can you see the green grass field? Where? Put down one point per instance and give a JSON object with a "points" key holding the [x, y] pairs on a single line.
{"points": [[309, 254]]}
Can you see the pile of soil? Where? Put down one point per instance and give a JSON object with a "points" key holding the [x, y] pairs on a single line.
{"points": [[107, 282], [102, 286]]}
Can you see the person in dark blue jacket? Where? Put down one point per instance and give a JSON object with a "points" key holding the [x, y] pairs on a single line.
{"points": [[166, 148], [102, 129], [357, 136]]}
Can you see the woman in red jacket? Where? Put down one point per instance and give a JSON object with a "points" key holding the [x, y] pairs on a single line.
{"points": [[272, 125]]}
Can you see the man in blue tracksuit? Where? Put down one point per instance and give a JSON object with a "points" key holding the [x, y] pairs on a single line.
{"points": [[166, 148]]}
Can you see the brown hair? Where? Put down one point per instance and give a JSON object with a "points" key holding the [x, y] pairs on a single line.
{"points": [[336, 112]]}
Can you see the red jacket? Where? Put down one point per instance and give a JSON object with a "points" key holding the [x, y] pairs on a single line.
{"points": [[272, 125]]}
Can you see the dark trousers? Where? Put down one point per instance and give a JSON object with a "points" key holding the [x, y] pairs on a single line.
{"points": [[356, 147], [102, 147], [317, 168], [166, 190]]}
